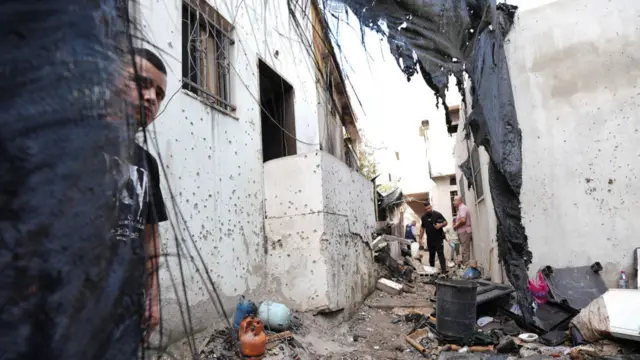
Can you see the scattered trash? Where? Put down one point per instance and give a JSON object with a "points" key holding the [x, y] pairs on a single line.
{"points": [[599, 349], [389, 286], [408, 288], [553, 338], [415, 345], [549, 316], [539, 289], [575, 286], [429, 270], [253, 340], [528, 337], [471, 273], [490, 291], [510, 328], [389, 304], [623, 281], [399, 311], [383, 257], [285, 335], [453, 347], [530, 349], [507, 346], [276, 316], [484, 321], [610, 314]]}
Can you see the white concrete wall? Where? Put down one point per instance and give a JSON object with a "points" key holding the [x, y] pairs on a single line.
{"points": [[319, 219], [483, 218], [213, 162], [575, 70], [439, 143], [440, 197]]}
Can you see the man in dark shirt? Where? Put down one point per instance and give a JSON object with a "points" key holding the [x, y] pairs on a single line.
{"points": [[139, 203], [432, 224]]}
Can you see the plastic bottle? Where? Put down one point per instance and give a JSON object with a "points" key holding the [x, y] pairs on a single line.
{"points": [[623, 281]]}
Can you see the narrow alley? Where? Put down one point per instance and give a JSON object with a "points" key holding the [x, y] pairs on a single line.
{"points": [[319, 180]]}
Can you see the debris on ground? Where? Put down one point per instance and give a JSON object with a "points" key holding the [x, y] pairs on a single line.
{"points": [[609, 314], [443, 317], [389, 286]]}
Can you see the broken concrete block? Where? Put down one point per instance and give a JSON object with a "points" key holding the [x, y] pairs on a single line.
{"points": [[389, 286], [417, 265], [399, 240], [395, 251], [378, 243]]}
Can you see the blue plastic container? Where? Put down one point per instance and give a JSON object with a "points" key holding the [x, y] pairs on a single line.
{"points": [[243, 309]]}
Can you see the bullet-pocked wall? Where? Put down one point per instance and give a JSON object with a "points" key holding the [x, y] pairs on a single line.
{"points": [[213, 161], [319, 223], [575, 72]]}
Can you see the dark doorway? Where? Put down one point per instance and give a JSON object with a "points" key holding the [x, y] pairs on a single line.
{"points": [[277, 114]]}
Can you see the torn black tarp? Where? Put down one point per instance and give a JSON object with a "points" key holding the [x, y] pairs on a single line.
{"points": [[441, 38], [393, 198]]}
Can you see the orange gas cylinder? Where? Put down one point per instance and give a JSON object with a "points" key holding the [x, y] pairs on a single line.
{"points": [[253, 340]]}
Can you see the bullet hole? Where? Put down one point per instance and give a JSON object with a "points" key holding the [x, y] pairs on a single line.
{"points": [[611, 181]]}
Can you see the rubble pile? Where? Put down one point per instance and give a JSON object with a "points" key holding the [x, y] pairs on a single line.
{"points": [[419, 313]]}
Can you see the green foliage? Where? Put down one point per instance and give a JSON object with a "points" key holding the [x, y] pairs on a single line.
{"points": [[366, 159], [388, 187]]}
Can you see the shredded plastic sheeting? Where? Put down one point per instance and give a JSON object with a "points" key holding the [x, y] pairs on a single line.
{"points": [[67, 292], [440, 38]]}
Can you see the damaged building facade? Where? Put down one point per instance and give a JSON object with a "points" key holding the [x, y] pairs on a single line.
{"points": [[257, 142], [574, 83]]}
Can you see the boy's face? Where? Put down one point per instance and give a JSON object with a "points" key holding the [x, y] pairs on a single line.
{"points": [[153, 84]]}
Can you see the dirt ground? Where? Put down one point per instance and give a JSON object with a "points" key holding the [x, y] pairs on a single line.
{"points": [[376, 331]]}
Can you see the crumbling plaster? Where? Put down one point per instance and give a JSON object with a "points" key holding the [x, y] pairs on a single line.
{"points": [[575, 75], [213, 162], [319, 220]]}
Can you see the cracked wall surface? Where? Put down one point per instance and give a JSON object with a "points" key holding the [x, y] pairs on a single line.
{"points": [[319, 219]]}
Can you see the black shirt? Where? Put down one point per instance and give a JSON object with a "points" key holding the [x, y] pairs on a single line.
{"points": [[138, 196], [434, 236], [134, 185]]}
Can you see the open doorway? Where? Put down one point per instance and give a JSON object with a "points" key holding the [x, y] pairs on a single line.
{"points": [[277, 114]]}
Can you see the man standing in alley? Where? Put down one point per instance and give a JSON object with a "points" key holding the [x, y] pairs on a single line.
{"points": [[432, 224], [139, 203], [462, 225], [411, 232]]}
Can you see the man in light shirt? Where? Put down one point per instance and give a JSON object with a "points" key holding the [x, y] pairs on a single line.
{"points": [[462, 225], [411, 231]]}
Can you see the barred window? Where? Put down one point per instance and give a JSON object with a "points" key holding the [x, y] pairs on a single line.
{"points": [[206, 41]]}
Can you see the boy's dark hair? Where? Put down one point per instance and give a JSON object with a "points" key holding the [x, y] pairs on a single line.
{"points": [[151, 57]]}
